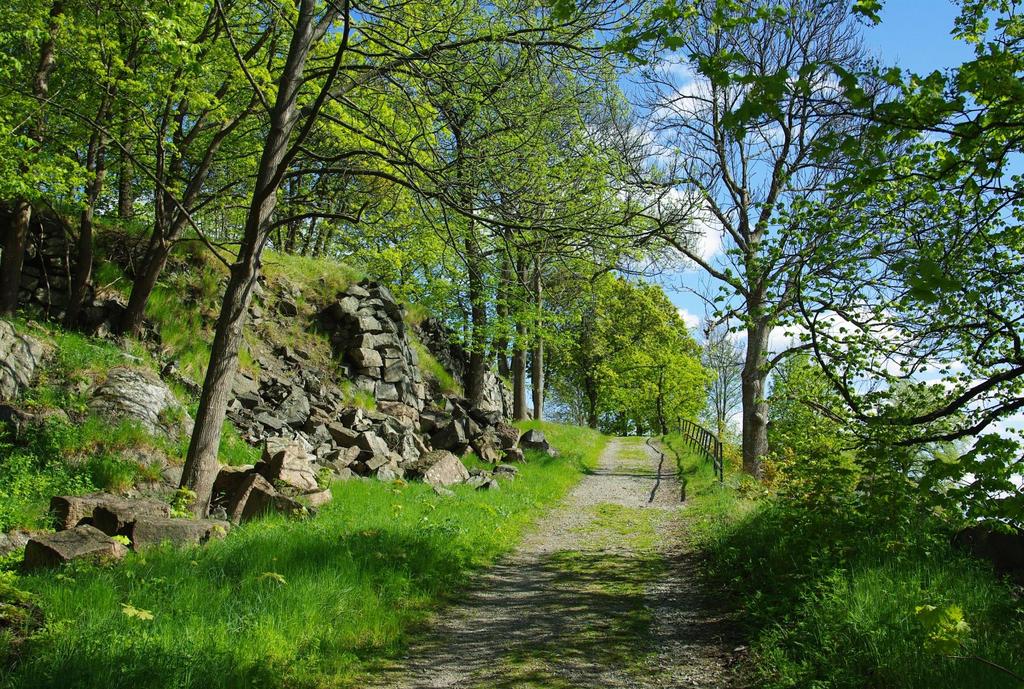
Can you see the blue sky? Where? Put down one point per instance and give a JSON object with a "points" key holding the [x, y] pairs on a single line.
{"points": [[913, 35]]}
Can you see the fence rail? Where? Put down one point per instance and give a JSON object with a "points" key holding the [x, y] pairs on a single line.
{"points": [[705, 442]]}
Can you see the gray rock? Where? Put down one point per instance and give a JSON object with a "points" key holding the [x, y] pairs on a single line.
{"points": [[506, 469], [535, 440], [366, 358], [149, 531], [81, 542], [488, 446], [373, 444], [137, 395], [295, 408], [514, 454], [19, 357], [317, 498], [342, 436], [442, 468], [451, 436], [287, 461], [443, 492], [508, 435], [13, 540]]}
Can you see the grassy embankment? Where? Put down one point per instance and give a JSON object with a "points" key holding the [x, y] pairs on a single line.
{"points": [[285, 603], [838, 599]]}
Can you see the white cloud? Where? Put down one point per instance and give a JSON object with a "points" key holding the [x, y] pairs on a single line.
{"points": [[691, 320]]}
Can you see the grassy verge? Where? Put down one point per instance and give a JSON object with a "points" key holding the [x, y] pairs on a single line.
{"points": [[282, 603], [837, 598]]}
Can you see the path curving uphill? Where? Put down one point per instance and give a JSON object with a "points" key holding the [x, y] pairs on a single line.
{"points": [[603, 594]]}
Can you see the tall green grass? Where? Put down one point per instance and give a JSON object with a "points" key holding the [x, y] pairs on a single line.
{"points": [[830, 599], [280, 603]]}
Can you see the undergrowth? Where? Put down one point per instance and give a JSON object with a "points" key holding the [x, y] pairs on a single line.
{"points": [[833, 595], [281, 603]]}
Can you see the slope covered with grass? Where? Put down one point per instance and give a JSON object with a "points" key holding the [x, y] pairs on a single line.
{"points": [[285, 603]]}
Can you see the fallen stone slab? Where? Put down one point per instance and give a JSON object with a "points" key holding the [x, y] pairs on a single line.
{"points": [[148, 531], [114, 516], [71, 510], [81, 542]]}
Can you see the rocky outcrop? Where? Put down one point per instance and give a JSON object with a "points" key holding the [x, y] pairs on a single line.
{"points": [[81, 542], [137, 395], [442, 345], [366, 326], [19, 357]]}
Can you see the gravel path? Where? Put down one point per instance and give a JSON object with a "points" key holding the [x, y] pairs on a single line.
{"points": [[603, 594]]}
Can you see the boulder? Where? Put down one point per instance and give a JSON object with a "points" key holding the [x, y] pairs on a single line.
{"points": [[287, 461], [257, 497], [514, 454], [535, 440], [115, 516], [295, 408], [249, 486], [147, 531], [342, 436], [442, 468], [140, 396], [19, 357], [51, 550], [488, 447], [508, 435], [229, 480], [13, 540], [317, 498], [372, 443], [451, 436], [507, 470]]}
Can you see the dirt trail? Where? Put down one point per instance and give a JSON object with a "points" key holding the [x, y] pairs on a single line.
{"points": [[603, 594]]}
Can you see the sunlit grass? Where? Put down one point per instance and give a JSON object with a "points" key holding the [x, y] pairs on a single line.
{"points": [[289, 603]]}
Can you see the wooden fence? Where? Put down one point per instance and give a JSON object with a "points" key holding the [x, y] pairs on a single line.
{"points": [[705, 442]]}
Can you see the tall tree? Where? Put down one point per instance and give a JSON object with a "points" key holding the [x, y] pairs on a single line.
{"points": [[746, 123], [29, 155]]}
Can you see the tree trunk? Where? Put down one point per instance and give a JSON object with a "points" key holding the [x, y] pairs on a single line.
{"points": [[125, 191], [537, 370], [590, 392], [519, 411], [145, 281], [17, 236], [201, 465], [478, 317], [501, 341], [14, 256], [755, 408], [95, 164], [84, 259]]}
